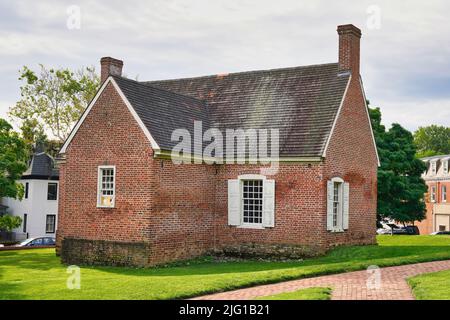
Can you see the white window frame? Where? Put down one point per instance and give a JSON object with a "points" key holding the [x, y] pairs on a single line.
{"points": [[433, 194], [433, 165], [444, 193], [99, 186], [445, 165], [250, 177], [340, 214], [242, 200]]}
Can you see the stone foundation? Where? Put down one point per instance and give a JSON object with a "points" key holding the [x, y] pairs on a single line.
{"points": [[111, 253], [270, 251]]}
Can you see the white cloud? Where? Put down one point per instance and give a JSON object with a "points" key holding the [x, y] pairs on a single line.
{"points": [[415, 114], [404, 61]]}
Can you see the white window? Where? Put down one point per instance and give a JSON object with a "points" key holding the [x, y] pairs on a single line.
{"points": [[106, 186], [433, 194], [433, 167], [337, 203], [445, 166], [338, 195], [444, 193], [251, 201]]}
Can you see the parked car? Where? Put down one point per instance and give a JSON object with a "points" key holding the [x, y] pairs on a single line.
{"points": [[440, 233], [37, 242], [394, 229]]}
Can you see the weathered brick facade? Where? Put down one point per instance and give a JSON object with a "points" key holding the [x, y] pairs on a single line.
{"points": [[172, 212], [437, 211]]}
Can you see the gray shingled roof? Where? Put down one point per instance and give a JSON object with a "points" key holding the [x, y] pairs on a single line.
{"points": [[41, 166], [162, 111], [302, 102]]}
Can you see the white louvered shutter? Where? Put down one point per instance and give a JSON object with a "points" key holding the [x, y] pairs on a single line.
{"points": [[269, 204], [234, 214], [330, 195], [345, 206]]}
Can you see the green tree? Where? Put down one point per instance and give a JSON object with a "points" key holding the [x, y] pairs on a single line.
{"points": [[401, 189], [53, 100], [32, 133], [432, 140], [9, 222], [13, 157]]}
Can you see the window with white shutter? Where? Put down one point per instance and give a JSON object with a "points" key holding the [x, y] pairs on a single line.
{"points": [[251, 202], [269, 204], [234, 216], [338, 201], [346, 206]]}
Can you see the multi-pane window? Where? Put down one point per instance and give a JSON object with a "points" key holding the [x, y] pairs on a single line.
{"points": [[52, 191], [106, 187], [445, 165], [433, 194], [433, 167], [338, 205], [337, 202], [252, 201], [444, 193], [50, 223]]}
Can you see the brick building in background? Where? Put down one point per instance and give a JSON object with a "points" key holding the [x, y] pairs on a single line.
{"points": [[124, 202], [437, 178]]}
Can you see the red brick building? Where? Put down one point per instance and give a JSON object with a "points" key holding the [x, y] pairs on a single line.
{"points": [[123, 200], [437, 178]]}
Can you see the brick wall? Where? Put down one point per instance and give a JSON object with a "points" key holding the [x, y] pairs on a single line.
{"points": [[351, 156], [178, 212], [157, 203], [426, 225], [298, 209], [95, 144]]}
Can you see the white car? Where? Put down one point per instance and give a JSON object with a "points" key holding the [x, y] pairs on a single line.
{"points": [[37, 242]]}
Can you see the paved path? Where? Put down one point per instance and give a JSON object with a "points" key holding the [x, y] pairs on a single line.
{"points": [[346, 286]]}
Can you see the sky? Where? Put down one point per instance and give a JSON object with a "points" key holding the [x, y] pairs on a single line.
{"points": [[405, 47]]}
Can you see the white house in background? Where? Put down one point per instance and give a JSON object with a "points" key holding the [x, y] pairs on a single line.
{"points": [[39, 206]]}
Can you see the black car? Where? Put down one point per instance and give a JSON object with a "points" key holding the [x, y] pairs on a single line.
{"points": [[38, 242], [407, 230], [440, 233]]}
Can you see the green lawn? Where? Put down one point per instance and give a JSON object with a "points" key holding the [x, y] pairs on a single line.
{"points": [[38, 274], [302, 294], [431, 286]]}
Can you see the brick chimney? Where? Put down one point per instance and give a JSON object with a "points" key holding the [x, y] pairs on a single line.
{"points": [[349, 44], [110, 66]]}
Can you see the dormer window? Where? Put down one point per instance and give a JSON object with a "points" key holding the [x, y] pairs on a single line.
{"points": [[445, 166], [433, 167]]}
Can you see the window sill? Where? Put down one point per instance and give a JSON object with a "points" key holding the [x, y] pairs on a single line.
{"points": [[248, 226], [337, 230], [104, 207]]}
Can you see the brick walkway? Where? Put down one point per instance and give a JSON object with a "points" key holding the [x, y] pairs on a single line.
{"points": [[346, 286]]}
